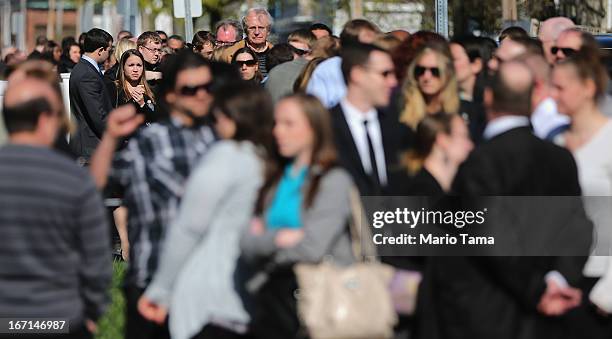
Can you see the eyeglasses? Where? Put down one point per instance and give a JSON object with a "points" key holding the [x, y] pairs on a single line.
{"points": [[153, 50], [225, 43], [419, 71], [190, 91], [566, 51], [249, 63], [256, 28]]}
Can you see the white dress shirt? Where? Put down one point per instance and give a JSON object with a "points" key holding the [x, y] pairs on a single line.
{"points": [[503, 124], [546, 118], [355, 118], [93, 62]]}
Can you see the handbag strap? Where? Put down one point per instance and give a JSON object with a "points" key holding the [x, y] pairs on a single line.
{"points": [[360, 229]]}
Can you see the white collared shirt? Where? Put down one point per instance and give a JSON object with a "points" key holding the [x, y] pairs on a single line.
{"points": [[355, 118], [503, 124], [546, 118], [93, 62]]}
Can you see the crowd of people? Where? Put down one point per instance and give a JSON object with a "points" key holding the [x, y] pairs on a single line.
{"points": [[234, 160]]}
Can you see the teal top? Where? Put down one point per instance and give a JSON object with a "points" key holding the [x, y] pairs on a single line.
{"points": [[285, 211]]}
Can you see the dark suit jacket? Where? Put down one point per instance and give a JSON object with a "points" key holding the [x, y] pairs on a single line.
{"points": [[496, 296], [90, 105], [395, 137]]}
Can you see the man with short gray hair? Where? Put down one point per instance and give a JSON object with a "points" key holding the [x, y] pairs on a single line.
{"points": [[228, 32], [257, 23]]}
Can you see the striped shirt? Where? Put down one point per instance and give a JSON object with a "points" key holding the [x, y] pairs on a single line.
{"points": [[153, 169], [55, 258]]}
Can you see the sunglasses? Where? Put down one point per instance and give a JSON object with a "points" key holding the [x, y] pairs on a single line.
{"points": [[190, 91], [249, 63], [419, 71], [566, 51], [299, 52]]}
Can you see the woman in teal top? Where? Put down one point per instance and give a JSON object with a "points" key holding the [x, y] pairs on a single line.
{"points": [[304, 204], [284, 212]]}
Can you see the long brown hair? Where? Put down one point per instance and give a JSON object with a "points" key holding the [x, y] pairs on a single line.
{"points": [[324, 156], [122, 81], [425, 137]]}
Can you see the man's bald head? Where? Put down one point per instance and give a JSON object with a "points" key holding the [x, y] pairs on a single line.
{"points": [[511, 89], [549, 32], [24, 101]]}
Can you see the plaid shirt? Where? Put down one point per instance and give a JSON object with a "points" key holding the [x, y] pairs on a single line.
{"points": [[153, 169]]}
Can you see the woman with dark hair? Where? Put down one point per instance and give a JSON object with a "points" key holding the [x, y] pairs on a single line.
{"points": [[131, 86], [204, 43], [70, 57], [52, 52], [195, 280], [302, 210], [467, 54], [442, 143], [246, 61]]}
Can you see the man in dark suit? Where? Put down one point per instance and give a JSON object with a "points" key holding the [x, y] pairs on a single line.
{"points": [[368, 139], [89, 100], [512, 296]]}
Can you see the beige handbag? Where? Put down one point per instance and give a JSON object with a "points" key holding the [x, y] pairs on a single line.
{"points": [[351, 302]]}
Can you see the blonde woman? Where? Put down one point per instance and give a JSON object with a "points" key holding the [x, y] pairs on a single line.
{"points": [[431, 86]]}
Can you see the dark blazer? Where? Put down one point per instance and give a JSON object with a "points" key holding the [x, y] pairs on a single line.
{"points": [[496, 296], [90, 104], [395, 138]]}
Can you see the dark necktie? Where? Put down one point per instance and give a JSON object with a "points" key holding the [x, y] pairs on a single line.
{"points": [[373, 164]]}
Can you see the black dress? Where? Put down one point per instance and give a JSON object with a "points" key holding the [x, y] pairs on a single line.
{"points": [[118, 98], [65, 65]]}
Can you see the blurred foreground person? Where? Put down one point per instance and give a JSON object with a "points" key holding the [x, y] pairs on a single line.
{"points": [[216, 210], [303, 210], [512, 296], [579, 82], [152, 170], [56, 262], [368, 139]]}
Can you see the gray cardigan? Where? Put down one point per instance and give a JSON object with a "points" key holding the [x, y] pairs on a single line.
{"points": [[199, 259], [326, 231]]}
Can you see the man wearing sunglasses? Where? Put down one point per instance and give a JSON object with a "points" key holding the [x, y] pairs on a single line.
{"points": [[549, 32], [569, 42], [367, 138], [153, 169]]}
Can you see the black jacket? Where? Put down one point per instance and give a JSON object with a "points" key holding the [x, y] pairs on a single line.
{"points": [[90, 104], [395, 136], [118, 98], [496, 296]]}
